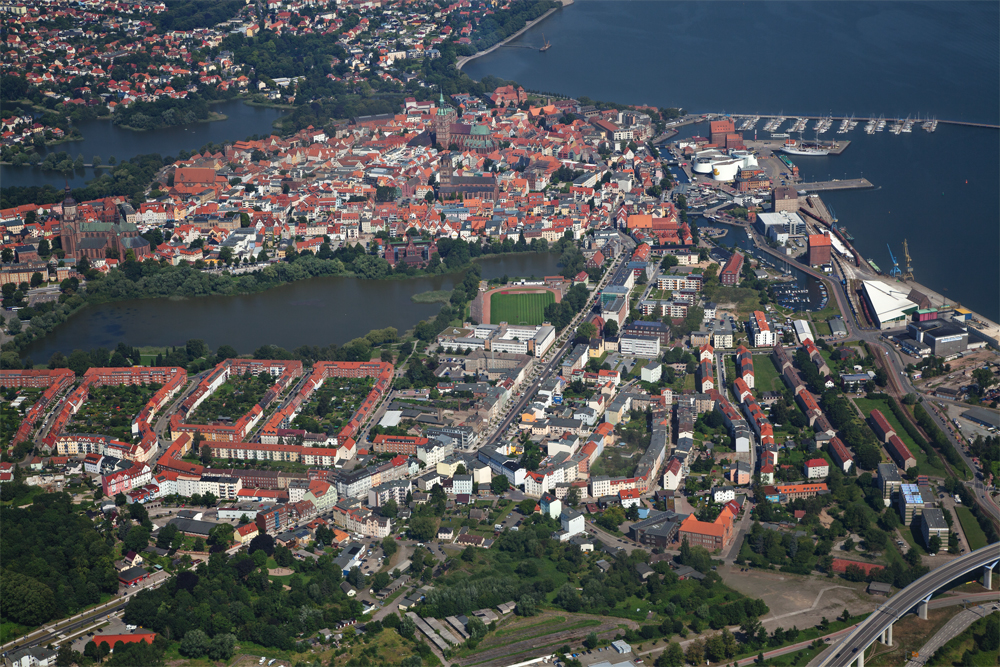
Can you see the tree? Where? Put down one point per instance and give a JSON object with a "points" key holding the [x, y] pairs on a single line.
{"points": [[205, 454], [222, 646], [422, 528], [527, 506], [263, 542], [695, 653], [195, 643], [526, 606], [283, 556], [499, 484], [673, 656], [390, 509], [587, 330], [469, 554], [36, 279], [407, 628], [610, 329], [476, 628], [389, 546], [934, 545], [591, 640], [715, 648]]}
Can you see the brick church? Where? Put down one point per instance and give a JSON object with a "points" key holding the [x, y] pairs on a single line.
{"points": [[94, 238], [448, 131]]}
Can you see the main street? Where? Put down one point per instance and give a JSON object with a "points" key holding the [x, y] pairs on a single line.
{"points": [[566, 339]]}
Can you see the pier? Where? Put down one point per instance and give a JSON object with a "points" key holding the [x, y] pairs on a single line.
{"points": [[859, 119], [836, 184]]}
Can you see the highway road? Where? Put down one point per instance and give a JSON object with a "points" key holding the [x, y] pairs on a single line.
{"points": [[869, 630], [955, 626], [49, 634]]}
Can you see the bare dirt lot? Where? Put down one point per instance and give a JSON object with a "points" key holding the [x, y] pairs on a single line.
{"points": [[798, 600]]}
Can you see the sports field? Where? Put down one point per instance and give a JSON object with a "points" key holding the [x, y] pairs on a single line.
{"points": [[523, 308]]}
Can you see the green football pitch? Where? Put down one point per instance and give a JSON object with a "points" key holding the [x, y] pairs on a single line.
{"points": [[519, 308]]}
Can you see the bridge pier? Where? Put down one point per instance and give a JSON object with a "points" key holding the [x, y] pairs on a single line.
{"points": [[988, 575], [861, 659], [886, 637], [922, 609]]}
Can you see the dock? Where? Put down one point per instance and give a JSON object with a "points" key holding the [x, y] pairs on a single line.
{"points": [[771, 146], [836, 184]]}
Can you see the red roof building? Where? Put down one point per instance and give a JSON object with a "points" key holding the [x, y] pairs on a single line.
{"points": [[881, 426], [730, 274], [111, 640], [900, 453]]}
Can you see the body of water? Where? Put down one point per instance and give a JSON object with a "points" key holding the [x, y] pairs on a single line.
{"points": [[737, 236], [101, 137], [318, 311], [939, 59]]}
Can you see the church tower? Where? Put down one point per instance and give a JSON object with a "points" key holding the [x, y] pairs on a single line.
{"points": [[68, 231], [446, 115]]}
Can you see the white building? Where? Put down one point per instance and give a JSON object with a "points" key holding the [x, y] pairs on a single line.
{"points": [[803, 330], [572, 523], [761, 334], [673, 473], [523, 339], [600, 486], [651, 372], [817, 469], [647, 347], [461, 484], [723, 494]]}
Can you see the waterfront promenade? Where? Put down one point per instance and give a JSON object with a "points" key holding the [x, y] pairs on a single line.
{"points": [[835, 184], [460, 63]]}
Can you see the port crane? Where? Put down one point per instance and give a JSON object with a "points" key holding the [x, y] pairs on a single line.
{"points": [[894, 271], [908, 274]]}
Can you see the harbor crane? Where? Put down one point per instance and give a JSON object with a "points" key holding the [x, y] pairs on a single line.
{"points": [[895, 270], [908, 274]]}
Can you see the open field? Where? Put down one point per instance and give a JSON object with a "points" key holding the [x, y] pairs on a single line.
{"points": [[973, 532], [524, 308], [765, 374], [798, 600]]}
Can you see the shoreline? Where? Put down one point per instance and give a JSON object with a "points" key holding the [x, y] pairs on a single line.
{"points": [[460, 63], [212, 117]]}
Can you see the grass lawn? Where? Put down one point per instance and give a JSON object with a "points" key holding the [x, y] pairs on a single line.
{"points": [[519, 308], [765, 374], [822, 328], [973, 533], [866, 405], [10, 630]]}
